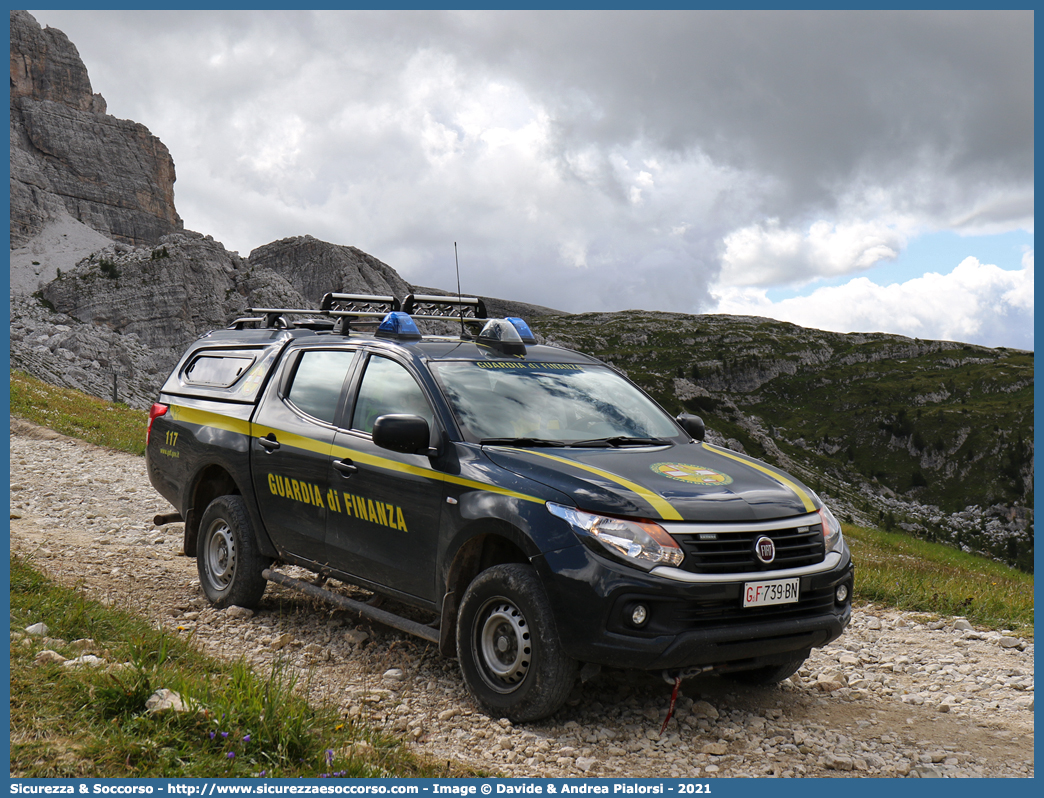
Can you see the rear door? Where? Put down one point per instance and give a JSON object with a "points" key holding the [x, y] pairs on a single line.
{"points": [[292, 445], [387, 528]]}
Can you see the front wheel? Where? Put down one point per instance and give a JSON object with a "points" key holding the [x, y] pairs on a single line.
{"points": [[227, 558], [508, 646]]}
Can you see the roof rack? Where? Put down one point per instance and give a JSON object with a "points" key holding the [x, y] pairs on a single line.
{"points": [[444, 308], [242, 322], [363, 309], [275, 317], [347, 308]]}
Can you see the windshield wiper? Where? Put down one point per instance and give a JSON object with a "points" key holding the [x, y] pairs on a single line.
{"points": [[622, 440], [519, 442]]}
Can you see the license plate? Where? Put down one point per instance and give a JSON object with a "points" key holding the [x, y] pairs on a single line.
{"points": [[762, 594]]}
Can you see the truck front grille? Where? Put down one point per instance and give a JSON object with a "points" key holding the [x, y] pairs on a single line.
{"points": [[732, 552]]}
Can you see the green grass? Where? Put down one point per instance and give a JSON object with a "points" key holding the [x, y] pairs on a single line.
{"points": [[901, 571], [93, 723], [78, 415]]}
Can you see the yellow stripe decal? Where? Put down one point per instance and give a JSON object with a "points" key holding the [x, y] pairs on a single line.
{"points": [[290, 439], [205, 418], [312, 445], [801, 494], [661, 505]]}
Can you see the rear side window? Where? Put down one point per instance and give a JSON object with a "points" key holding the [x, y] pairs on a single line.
{"points": [[316, 389], [220, 371]]}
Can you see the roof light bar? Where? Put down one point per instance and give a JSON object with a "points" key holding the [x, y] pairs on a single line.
{"points": [[358, 305], [426, 306]]}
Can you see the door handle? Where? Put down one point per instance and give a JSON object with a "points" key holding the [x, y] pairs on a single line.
{"points": [[346, 467], [270, 443]]}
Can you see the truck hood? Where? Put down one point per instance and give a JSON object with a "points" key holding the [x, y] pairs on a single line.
{"points": [[677, 482]]}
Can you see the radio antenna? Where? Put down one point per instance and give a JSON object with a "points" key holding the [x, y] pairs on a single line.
{"points": [[460, 305]]}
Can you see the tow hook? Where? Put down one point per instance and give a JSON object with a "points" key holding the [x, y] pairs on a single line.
{"points": [[673, 676]]}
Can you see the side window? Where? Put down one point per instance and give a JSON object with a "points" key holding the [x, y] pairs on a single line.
{"points": [[217, 370], [316, 389], [386, 388]]}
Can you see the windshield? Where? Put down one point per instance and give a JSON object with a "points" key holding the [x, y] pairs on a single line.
{"points": [[534, 403]]}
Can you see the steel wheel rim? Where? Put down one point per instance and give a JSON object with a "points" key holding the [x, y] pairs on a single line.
{"points": [[221, 554], [504, 645]]}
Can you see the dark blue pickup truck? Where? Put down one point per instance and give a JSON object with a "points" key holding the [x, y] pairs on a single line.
{"points": [[545, 510]]}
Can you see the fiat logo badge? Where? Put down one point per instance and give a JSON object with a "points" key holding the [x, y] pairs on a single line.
{"points": [[765, 549]]}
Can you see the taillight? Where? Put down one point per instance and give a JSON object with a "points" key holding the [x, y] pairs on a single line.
{"points": [[155, 412]]}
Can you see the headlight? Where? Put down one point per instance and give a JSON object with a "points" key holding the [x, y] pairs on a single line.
{"points": [[640, 543], [831, 529]]}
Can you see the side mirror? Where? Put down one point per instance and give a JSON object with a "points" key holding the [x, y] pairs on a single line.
{"points": [[403, 433], [693, 425]]}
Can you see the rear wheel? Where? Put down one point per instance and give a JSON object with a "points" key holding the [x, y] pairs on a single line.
{"points": [[227, 558], [508, 646]]}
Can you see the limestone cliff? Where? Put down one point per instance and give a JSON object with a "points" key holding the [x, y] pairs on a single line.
{"points": [[165, 295], [315, 267], [68, 156]]}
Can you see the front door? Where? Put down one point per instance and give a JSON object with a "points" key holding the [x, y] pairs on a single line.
{"points": [[387, 528]]}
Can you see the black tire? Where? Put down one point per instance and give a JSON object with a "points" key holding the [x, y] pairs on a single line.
{"points": [[508, 646], [770, 674], [227, 557]]}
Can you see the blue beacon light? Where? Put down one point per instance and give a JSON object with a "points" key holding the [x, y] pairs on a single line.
{"points": [[522, 328], [398, 325]]}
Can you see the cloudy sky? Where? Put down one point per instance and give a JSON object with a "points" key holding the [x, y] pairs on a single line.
{"points": [[852, 171]]}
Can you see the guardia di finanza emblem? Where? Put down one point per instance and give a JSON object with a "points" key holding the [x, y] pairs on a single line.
{"points": [[693, 474]]}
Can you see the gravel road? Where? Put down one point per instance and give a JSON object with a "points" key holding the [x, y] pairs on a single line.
{"points": [[899, 694]]}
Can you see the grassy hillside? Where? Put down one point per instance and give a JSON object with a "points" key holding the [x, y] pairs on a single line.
{"points": [[78, 415], [925, 422]]}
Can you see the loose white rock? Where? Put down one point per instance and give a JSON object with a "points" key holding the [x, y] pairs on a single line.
{"points": [[164, 700], [85, 661]]}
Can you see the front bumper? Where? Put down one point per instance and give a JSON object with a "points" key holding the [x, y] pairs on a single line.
{"points": [[688, 624]]}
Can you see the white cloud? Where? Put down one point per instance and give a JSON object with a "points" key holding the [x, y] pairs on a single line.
{"points": [[769, 254], [976, 302]]}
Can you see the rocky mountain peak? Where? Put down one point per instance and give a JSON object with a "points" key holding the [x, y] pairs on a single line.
{"points": [[69, 158], [45, 65], [316, 267]]}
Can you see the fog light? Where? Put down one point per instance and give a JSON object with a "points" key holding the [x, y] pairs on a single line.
{"points": [[639, 615], [842, 594]]}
